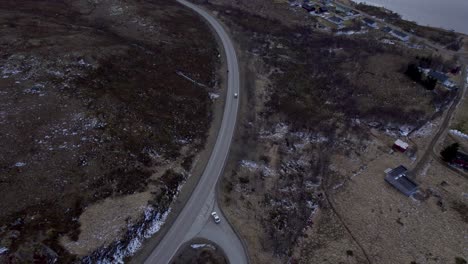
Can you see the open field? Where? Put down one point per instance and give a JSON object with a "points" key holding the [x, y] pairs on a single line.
{"points": [[104, 106]]}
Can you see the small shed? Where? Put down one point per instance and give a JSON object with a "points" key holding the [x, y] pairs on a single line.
{"points": [[398, 178], [400, 145]]}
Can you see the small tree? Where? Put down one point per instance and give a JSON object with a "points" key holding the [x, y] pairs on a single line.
{"points": [[450, 152], [430, 83], [413, 72]]}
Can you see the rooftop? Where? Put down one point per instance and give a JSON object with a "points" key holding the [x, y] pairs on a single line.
{"points": [[397, 178], [368, 21], [336, 19], [401, 144], [398, 171], [386, 29], [399, 33], [438, 76]]}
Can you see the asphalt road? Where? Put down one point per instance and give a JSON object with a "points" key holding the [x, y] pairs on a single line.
{"points": [[195, 220]]}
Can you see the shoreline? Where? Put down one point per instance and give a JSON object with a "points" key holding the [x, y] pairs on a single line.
{"points": [[420, 18]]}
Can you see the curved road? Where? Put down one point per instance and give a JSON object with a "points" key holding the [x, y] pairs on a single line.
{"points": [[195, 220]]}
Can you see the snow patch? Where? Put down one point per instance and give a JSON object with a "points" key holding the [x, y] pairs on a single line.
{"points": [[20, 164], [425, 130], [458, 133], [253, 166], [280, 131], [213, 96], [195, 246], [142, 232], [198, 245], [3, 250], [249, 164]]}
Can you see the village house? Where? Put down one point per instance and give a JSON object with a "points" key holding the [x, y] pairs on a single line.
{"points": [[386, 29], [441, 78], [345, 12], [336, 20], [400, 35], [369, 22], [342, 9], [398, 178]]}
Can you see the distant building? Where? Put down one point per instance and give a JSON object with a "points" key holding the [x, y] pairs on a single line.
{"points": [[323, 9], [336, 20], [386, 29], [400, 35], [370, 22], [308, 8], [442, 79], [400, 145], [397, 177], [343, 9]]}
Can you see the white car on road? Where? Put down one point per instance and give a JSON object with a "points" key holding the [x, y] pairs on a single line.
{"points": [[216, 217], [235, 95]]}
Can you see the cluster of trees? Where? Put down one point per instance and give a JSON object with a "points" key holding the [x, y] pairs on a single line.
{"points": [[415, 74], [450, 152]]}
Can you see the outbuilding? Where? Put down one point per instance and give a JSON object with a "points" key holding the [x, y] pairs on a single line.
{"points": [[400, 145], [398, 178]]}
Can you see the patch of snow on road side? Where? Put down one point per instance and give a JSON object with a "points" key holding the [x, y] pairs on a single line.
{"points": [[3, 250], [195, 246], [153, 220], [198, 245], [156, 223], [213, 96], [425, 130]]}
